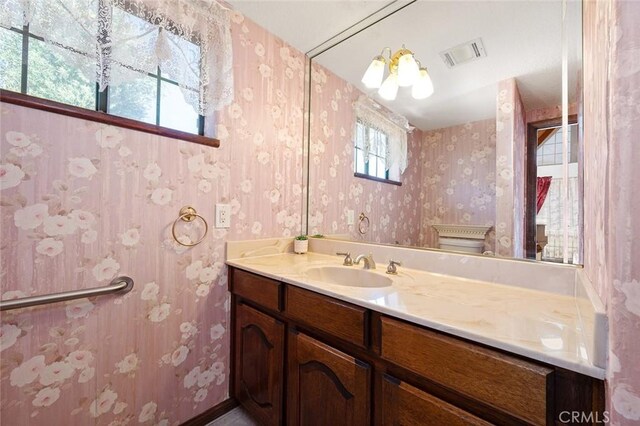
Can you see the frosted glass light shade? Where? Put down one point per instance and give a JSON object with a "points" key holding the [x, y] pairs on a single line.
{"points": [[389, 89], [407, 70], [423, 87], [372, 78]]}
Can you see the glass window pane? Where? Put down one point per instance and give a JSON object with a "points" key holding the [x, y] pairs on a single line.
{"points": [[135, 99], [380, 171], [54, 74], [175, 113], [549, 160], [360, 135], [373, 142], [72, 23], [138, 51], [359, 161], [10, 59], [558, 157], [370, 166], [185, 58]]}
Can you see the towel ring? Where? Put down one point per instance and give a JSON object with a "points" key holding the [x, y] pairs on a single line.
{"points": [[361, 223], [189, 214]]}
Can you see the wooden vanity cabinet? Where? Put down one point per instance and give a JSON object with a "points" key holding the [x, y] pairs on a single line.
{"points": [[259, 364], [511, 384], [303, 358], [325, 386]]}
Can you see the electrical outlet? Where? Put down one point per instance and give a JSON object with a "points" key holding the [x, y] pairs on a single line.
{"points": [[223, 215], [351, 217]]}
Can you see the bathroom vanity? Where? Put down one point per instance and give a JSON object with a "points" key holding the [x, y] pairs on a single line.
{"points": [[306, 354]]}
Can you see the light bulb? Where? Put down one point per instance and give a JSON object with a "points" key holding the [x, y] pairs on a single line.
{"points": [[423, 87], [389, 88], [372, 78], [407, 70]]}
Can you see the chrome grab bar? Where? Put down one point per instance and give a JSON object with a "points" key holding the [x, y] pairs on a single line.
{"points": [[120, 284]]}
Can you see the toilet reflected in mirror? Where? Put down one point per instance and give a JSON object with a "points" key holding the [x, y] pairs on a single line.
{"points": [[464, 238]]}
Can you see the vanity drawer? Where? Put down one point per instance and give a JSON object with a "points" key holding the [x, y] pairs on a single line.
{"points": [[515, 386], [343, 320], [404, 405], [261, 290]]}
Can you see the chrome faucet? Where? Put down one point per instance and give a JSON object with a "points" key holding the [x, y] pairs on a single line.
{"points": [[369, 263]]}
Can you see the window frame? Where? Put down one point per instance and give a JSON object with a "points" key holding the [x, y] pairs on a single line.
{"points": [[356, 148], [101, 97]]}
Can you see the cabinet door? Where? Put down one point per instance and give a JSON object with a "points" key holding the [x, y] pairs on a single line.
{"points": [[404, 405], [325, 386], [259, 364]]}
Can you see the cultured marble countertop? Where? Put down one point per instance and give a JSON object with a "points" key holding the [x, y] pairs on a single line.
{"points": [[535, 324]]}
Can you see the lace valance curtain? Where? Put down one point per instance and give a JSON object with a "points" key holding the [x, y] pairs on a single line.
{"points": [[396, 127], [189, 40]]}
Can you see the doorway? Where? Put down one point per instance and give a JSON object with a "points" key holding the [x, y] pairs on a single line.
{"points": [[545, 210]]}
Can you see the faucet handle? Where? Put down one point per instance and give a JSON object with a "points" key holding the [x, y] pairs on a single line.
{"points": [[391, 269], [347, 258]]}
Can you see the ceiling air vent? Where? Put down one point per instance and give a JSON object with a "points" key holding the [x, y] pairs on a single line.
{"points": [[463, 53]]}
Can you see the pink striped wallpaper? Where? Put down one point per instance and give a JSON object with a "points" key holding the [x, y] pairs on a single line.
{"points": [[82, 203]]}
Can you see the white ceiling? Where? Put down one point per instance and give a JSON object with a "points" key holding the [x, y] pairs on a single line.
{"points": [[522, 40], [306, 24]]}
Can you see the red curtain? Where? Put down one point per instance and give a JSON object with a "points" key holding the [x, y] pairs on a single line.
{"points": [[542, 188]]}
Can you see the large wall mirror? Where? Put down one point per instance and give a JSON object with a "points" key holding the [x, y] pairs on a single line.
{"points": [[441, 127]]}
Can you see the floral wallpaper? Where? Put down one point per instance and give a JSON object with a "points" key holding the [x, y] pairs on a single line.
{"points": [[548, 113], [459, 178], [76, 198], [82, 203], [511, 134], [451, 176], [612, 225], [393, 211]]}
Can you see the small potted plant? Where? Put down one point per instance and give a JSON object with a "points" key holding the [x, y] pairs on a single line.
{"points": [[301, 244]]}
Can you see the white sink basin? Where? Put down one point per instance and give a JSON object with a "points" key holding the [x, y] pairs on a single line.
{"points": [[348, 276]]}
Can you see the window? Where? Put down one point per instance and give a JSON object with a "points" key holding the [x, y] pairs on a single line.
{"points": [[377, 141], [58, 72], [549, 163], [373, 143], [380, 142], [550, 151]]}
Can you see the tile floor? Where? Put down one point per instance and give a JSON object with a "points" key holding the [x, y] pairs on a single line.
{"points": [[235, 417]]}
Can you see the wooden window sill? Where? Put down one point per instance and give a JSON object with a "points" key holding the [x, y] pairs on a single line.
{"points": [[377, 179], [101, 117]]}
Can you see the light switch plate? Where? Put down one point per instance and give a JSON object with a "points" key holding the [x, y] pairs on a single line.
{"points": [[350, 217], [223, 215]]}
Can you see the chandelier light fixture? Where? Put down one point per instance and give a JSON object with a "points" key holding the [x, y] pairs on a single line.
{"points": [[404, 71]]}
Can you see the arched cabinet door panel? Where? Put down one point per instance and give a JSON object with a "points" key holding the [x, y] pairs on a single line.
{"points": [[325, 386], [259, 359]]}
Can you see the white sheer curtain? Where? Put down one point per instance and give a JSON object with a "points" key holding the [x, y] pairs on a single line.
{"points": [[114, 41], [395, 126]]}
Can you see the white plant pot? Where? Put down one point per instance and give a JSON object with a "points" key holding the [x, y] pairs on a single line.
{"points": [[300, 246]]}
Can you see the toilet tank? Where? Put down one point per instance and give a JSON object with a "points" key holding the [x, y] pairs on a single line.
{"points": [[465, 238]]}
